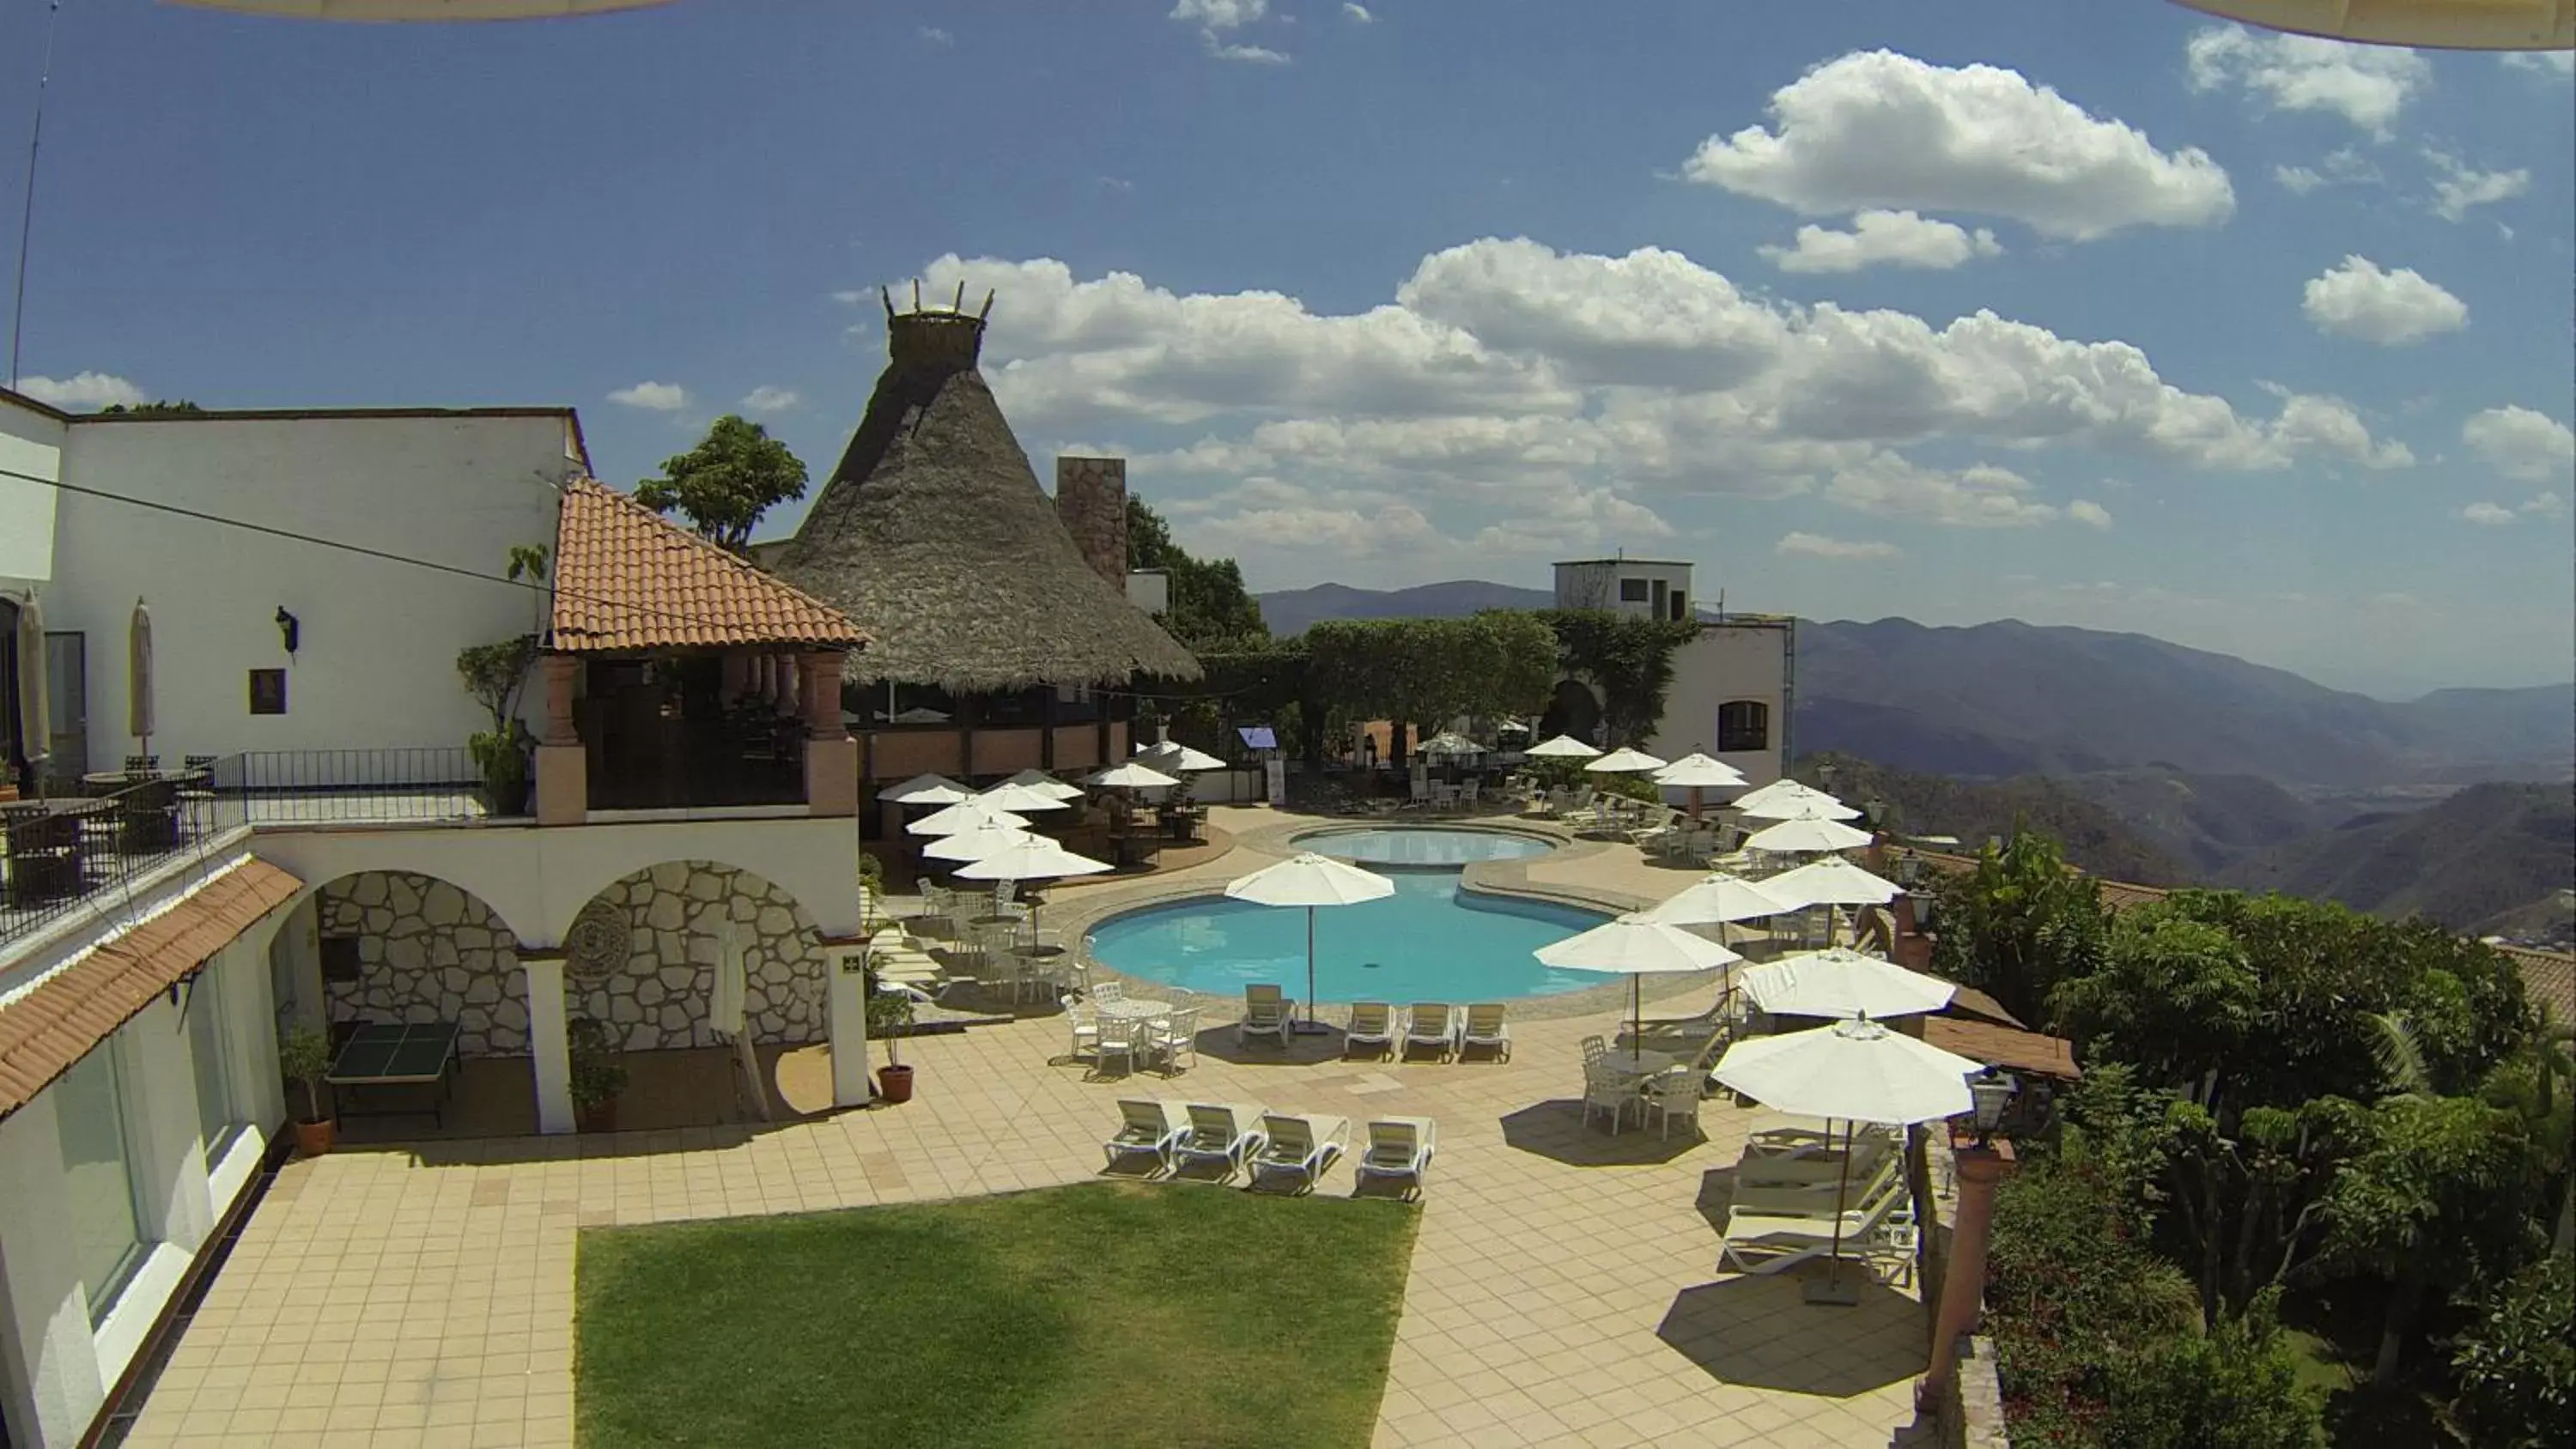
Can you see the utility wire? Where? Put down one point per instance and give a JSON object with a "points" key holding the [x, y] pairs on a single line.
{"points": [[27, 214], [456, 570]]}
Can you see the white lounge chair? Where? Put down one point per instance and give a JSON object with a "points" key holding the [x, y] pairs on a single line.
{"points": [[1146, 1126], [1265, 1013], [1300, 1146], [1226, 1132], [1485, 1027], [1432, 1024], [1372, 1025], [1783, 1240], [1400, 1147]]}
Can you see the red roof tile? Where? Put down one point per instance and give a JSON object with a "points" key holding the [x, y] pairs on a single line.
{"points": [[627, 578]]}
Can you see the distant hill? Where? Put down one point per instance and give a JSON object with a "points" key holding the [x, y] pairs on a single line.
{"points": [[2096, 838], [1289, 611], [2491, 858], [2208, 822]]}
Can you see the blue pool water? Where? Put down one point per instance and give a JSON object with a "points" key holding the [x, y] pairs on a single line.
{"points": [[1422, 845], [1427, 942]]}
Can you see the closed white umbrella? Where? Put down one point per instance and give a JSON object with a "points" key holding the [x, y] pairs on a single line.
{"points": [[1843, 983], [1563, 747], [1310, 880], [1857, 1071], [1718, 898], [976, 842], [1806, 835], [1696, 772], [927, 790], [138, 676], [1130, 776], [1020, 799], [964, 815], [1173, 757], [34, 720], [1037, 779], [1636, 946], [1789, 800], [1624, 761]]}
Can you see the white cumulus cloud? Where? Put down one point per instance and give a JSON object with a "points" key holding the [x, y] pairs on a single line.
{"points": [[2520, 443], [2561, 63], [1220, 14], [2487, 515], [2359, 299], [82, 391], [658, 397], [2342, 166], [768, 398], [1880, 131], [2367, 85], [2088, 513], [1977, 497], [2458, 186], [1817, 545], [1358, 14], [1883, 238]]}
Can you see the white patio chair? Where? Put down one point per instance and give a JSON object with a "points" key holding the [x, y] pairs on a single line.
{"points": [[1485, 1027], [1170, 1038], [1146, 1126], [1607, 1091], [1672, 1094], [1432, 1024], [1222, 1132], [1300, 1146], [1372, 1025], [1400, 1147], [1116, 1036], [1084, 1025]]}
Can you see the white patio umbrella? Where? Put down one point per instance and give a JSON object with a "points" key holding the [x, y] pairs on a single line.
{"points": [[1563, 747], [138, 676], [1696, 772], [1624, 761], [976, 842], [1636, 946], [1843, 983], [1789, 800], [1037, 779], [964, 815], [1447, 743], [927, 790], [1021, 799], [1032, 857], [1718, 898], [1806, 835], [920, 714], [1855, 1071], [1130, 776], [33, 718], [1310, 880], [1832, 881], [1173, 757]]}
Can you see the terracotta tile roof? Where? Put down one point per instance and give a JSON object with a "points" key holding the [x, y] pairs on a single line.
{"points": [[627, 578], [2547, 976], [44, 1033], [2003, 1046], [1969, 1001]]}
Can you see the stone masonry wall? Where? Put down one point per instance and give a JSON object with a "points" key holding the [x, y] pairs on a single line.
{"points": [[666, 993], [1091, 502], [427, 951]]}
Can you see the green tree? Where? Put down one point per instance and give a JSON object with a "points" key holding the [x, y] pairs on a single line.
{"points": [[1627, 659], [2249, 1201], [1210, 608], [158, 409], [2018, 924], [2174, 996], [2234, 1386], [2515, 1362], [724, 484]]}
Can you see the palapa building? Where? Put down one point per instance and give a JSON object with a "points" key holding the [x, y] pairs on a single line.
{"points": [[1001, 634]]}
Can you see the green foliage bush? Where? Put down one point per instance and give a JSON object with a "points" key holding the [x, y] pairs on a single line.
{"points": [[2516, 1361]]}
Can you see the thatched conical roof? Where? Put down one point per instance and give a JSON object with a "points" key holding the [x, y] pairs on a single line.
{"points": [[934, 536]]}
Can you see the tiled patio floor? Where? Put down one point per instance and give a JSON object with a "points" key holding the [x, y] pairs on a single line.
{"points": [[1564, 1288]]}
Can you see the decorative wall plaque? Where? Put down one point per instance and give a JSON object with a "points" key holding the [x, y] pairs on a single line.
{"points": [[596, 946]]}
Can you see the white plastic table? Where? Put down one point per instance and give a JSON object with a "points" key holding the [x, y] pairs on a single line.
{"points": [[1132, 1008], [1635, 1063]]}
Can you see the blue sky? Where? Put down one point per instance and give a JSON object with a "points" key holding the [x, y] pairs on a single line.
{"points": [[2100, 314]]}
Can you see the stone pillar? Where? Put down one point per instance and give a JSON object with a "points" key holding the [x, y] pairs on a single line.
{"points": [[549, 1047], [737, 676], [785, 667], [1963, 1288], [831, 756], [563, 771], [1091, 502], [846, 1013]]}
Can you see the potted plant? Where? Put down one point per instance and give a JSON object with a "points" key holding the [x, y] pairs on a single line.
{"points": [[494, 674], [890, 1016], [597, 1075], [304, 1056]]}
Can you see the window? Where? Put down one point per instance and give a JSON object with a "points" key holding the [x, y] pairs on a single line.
{"points": [[1743, 724], [213, 1065], [268, 691], [1681, 607], [98, 1177], [1632, 591]]}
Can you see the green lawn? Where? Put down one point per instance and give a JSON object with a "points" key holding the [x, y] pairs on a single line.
{"points": [[1108, 1313]]}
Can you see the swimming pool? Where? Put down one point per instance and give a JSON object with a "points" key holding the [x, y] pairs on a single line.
{"points": [[1422, 845], [1427, 942]]}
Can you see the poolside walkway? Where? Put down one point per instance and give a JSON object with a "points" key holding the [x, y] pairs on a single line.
{"points": [[1563, 1290]]}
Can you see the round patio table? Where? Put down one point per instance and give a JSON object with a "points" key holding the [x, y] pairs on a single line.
{"points": [[1635, 1063], [1135, 1008]]}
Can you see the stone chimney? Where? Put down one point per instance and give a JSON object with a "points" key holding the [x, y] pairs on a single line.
{"points": [[1091, 501]]}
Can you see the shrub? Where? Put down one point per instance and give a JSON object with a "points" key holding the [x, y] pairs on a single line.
{"points": [[2515, 1362]]}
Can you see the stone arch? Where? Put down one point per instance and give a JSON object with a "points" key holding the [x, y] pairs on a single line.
{"points": [[425, 949], [1573, 709], [659, 993]]}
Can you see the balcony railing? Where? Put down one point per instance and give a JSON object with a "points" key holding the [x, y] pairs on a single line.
{"points": [[419, 785], [66, 856]]}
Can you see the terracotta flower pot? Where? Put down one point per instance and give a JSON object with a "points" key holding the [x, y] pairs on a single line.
{"points": [[597, 1117], [315, 1138], [895, 1084]]}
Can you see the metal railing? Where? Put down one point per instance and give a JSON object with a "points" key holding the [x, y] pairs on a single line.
{"points": [[62, 857], [402, 786]]}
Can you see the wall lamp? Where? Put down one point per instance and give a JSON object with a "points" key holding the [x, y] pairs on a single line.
{"points": [[289, 628]]}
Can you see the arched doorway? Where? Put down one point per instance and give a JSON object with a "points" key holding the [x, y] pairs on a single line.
{"points": [[677, 918], [1572, 710], [402, 947]]}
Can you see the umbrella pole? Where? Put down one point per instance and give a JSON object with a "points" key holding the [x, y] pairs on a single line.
{"points": [[1310, 1026], [1832, 1290]]}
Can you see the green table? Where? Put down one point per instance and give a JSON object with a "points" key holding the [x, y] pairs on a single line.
{"points": [[419, 1054]]}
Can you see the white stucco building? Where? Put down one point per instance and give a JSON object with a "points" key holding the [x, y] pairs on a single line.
{"points": [[1733, 683], [333, 858]]}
